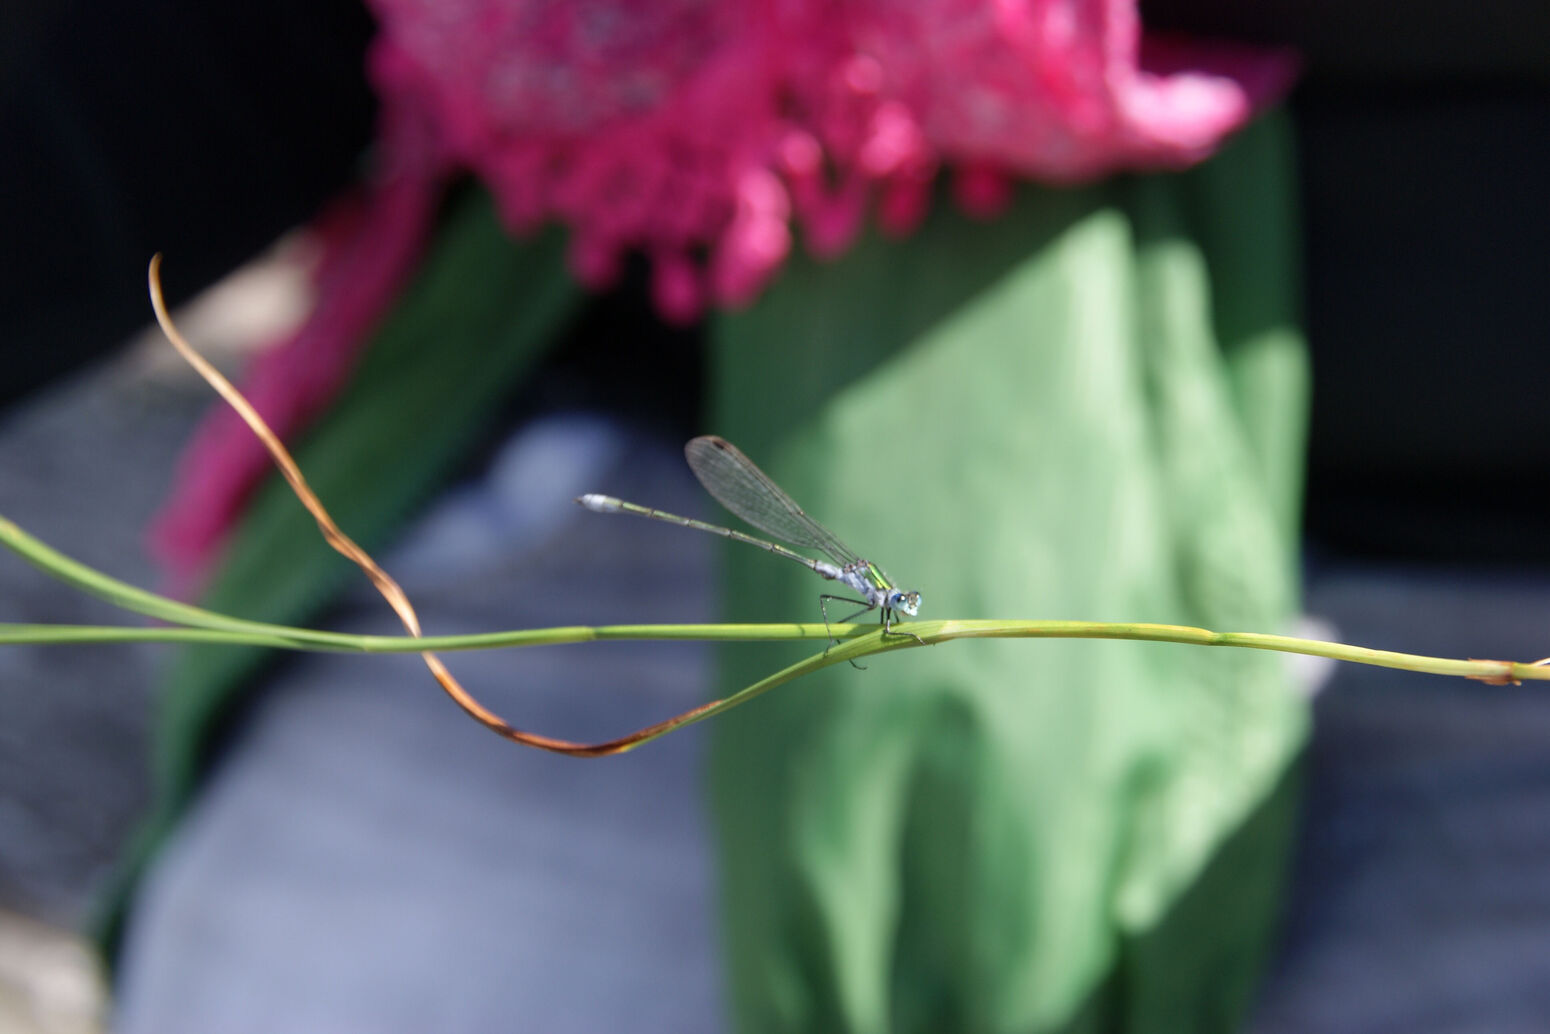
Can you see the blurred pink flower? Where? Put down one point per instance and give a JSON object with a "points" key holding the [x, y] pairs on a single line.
{"points": [[686, 128], [699, 133]]}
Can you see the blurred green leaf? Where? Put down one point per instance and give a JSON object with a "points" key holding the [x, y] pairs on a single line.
{"points": [[481, 312], [1053, 414]]}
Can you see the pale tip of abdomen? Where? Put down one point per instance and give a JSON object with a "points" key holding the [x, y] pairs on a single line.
{"points": [[599, 503]]}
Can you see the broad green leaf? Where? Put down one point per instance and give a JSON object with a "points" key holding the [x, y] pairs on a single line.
{"points": [[1090, 407]]}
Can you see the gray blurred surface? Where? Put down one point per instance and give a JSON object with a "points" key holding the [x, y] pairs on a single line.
{"points": [[82, 467], [367, 858], [1421, 901]]}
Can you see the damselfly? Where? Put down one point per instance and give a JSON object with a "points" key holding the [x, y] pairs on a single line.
{"points": [[747, 491]]}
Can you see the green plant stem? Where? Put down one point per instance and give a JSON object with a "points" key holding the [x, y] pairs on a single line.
{"points": [[197, 625], [128, 597], [286, 638], [931, 632]]}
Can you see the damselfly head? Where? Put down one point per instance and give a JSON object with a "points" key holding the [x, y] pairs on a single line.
{"points": [[904, 602]]}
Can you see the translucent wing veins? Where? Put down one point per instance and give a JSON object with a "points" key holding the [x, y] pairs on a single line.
{"points": [[747, 491]]}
